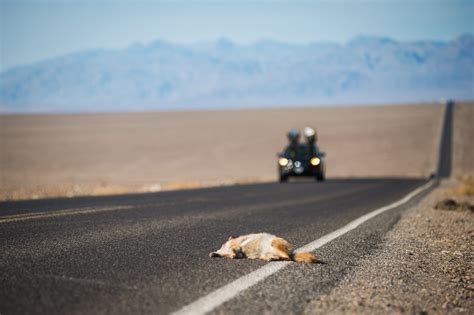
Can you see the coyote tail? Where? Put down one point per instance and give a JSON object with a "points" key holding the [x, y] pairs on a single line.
{"points": [[304, 257]]}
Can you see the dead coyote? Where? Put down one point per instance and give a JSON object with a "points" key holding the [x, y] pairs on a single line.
{"points": [[261, 246]]}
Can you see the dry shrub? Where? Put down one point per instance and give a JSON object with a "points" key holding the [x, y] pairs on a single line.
{"points": [[181, 185], [104, 190], [465, 187]]}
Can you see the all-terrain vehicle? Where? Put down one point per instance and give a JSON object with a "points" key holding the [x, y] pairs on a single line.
{"points": [[300, 160]]}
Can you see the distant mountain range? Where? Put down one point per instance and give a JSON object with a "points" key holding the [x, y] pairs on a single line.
{"points": [[223, 74]]}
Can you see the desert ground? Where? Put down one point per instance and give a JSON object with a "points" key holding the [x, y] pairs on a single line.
{"points": [[84, 154], [463, 148]]}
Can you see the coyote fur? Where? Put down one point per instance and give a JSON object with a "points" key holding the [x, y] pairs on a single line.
{"points": [[261, 246]]}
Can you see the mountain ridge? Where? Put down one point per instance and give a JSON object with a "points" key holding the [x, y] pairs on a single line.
{"points": [[222, 74]]}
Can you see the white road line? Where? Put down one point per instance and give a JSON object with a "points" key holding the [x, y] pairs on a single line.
{"points": [[58, 213], [218, 297]]}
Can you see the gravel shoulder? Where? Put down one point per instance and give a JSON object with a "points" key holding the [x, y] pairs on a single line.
{"points": [[424, 265]]}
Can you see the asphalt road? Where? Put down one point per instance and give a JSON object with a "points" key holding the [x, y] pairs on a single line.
{"points": [[148, 253], [445, 148]]}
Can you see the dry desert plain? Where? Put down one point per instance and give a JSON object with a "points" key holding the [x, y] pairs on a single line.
{"points": [[93, 154]]}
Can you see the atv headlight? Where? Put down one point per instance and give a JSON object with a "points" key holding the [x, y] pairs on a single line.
{"points": [[315, 161], [283, 161]]}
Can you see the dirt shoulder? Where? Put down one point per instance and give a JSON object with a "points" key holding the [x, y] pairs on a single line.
{"points": [[424, 266]]}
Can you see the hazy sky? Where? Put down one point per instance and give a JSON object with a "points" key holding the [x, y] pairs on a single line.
{"points": [[32, 30]]}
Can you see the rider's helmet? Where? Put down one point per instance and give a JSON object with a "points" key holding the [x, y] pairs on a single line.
{"points": [[293, 135], [310, 134]]}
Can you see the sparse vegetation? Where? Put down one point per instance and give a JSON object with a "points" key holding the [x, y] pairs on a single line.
{"points": [[465, 187]]}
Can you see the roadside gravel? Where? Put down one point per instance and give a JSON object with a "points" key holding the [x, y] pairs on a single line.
{"points": [[425, 266]]}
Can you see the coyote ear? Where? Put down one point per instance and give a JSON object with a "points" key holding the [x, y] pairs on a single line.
{"points": [[231, 237]]}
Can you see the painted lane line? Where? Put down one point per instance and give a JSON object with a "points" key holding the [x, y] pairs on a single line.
{"points": [[354, 224], [58, 213], [219, 296]]}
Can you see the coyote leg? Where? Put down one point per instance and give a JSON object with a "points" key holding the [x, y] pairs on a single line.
{"points": [[282, 249]]}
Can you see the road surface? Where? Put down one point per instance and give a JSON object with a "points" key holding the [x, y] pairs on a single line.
{"points": [[148, 253]]}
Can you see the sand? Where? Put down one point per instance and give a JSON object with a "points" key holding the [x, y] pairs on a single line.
{"points": [[77, 154], [463, 140]]}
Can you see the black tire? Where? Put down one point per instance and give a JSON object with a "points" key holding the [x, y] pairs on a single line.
{"points": [[320, 177]]}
